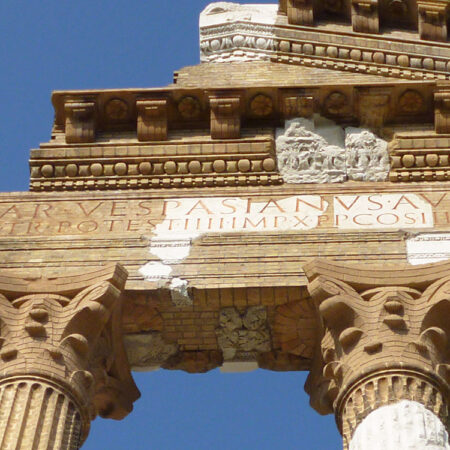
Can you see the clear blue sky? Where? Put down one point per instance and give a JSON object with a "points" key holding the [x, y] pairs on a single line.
{"points": [[58, 44]]}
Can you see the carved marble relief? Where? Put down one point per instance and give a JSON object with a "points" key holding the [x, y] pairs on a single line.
{"points": [[367, 157], [309, 152]]}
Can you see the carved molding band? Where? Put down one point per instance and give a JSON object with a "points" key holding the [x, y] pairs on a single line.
{"points": [[249, 32]]}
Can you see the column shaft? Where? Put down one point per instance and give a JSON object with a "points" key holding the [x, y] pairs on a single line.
{"points": [[401, 426], [34, 415]]}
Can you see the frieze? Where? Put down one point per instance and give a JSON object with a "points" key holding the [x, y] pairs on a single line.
{"points": [[241, 41]]}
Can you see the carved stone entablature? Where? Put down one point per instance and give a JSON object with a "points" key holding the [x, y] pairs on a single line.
{"points": [[421, 157], [231, 146], [233, 32], [63, 335], [365, 17], [254, 32], [373, 106], [243, 336], [297, 105], [225, 117], [300, 12], [442, 108], [433, 19], [384, 337], [152, 120], [80, 121]]}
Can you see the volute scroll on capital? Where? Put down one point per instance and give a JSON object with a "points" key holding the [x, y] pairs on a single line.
{"points": [[384, 337], [67, 331]]}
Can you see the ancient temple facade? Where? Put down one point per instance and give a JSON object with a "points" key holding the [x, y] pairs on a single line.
{"points": [[283, 205]]}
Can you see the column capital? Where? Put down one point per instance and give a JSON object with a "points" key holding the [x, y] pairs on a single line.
{"points": [[66, 331], [384, 337]]}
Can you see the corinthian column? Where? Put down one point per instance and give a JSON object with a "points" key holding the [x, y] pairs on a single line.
{"points": [[61, 358], [382, 362]]}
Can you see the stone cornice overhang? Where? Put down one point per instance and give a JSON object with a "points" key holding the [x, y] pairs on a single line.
{"points": [[205, 136], [396, 54], [273, 116]]}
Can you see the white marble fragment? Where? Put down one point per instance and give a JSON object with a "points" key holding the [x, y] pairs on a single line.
{"points": [[306, 157], [156, 271], [405, 425], [319, 151], [426, 248], [223, 12], [180, 293], [367, 155], [234, 32]]}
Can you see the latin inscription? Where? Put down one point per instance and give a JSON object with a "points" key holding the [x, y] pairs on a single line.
{"points": [[225, 214]]}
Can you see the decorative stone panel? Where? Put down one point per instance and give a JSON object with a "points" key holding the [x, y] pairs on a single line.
{"points": [[306, 157], [367, 157]]}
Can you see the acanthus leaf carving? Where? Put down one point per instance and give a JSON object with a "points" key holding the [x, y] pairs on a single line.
{"points": [[79, 339], [389, 325]]}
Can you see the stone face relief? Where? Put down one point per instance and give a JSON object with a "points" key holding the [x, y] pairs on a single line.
{"points": [[319, 151]]}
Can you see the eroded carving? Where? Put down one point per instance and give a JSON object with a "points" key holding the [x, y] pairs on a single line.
{"points": [[306, 157], [147, 351], [242, 336], [195, 362], [307, 154], [367, 157]]}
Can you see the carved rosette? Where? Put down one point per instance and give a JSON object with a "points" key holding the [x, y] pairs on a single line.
{"points": [[61, 350], [384, 338]]}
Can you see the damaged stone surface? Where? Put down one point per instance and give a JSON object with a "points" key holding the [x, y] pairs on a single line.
{"points": [[242, 336], [179, 292], [319, 151], [148, 351], [367, 157], [234, 32], [306, 157]]}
